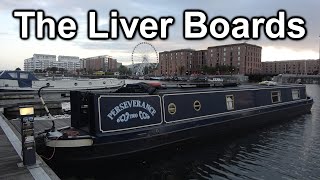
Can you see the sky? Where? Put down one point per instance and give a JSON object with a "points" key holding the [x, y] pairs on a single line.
{"points": [[14, 50]]}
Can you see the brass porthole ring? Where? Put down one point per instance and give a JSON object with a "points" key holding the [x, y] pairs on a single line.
{"points": [[197, 105], [172, 109]]}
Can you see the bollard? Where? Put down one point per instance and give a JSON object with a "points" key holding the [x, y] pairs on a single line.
{"points": [[27, 135]]}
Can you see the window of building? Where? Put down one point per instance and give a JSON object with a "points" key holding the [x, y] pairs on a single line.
{"points": [[239, 59], [295, 94], [275, 96], [238, 53], [239, 48], [230, 102], [224, 54], [224, 49]]}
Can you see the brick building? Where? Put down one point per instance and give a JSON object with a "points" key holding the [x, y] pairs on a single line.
{"points": [[176, 62], [99, 63], [246, 58], [291, 67]]}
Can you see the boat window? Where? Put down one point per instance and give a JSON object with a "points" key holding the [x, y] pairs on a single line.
{"points": [[230, 102], [197, 105], [24, 75], [295, 94], [76, 84], [13, 75], [275, 96], [172, 109]]}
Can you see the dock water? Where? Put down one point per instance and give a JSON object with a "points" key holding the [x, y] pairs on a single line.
{"points": [[11, 158]]}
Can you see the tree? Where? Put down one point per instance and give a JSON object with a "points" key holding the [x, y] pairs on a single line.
{"points": [[18, 69], [123, 70], [209, 70], [181, 70], [61, 70], [53, 69]]}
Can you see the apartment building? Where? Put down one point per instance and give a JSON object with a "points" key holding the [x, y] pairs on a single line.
{"points": [[246, 58], [291, 67], [44, 61], [39, 61], [176, 62], [99, 63]]}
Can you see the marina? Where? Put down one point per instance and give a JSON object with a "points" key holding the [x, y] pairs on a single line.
{"points": [[190, 90]]}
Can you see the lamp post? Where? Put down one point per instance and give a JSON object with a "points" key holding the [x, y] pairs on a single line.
{"points": [[27, 135]]}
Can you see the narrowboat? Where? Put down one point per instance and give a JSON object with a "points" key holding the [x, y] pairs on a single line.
{"points": [[139, 117]]}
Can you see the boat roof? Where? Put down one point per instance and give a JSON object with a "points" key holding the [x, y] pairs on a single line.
{"points": [[17, 75], [240, 87], [190, 89]]}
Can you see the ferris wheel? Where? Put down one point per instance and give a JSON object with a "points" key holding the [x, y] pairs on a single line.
{"points": [[143, 56]]}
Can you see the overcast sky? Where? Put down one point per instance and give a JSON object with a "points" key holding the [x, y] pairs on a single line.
{"points": [[14, 50]]}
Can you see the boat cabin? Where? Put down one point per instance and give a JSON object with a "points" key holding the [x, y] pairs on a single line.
{"points": [[16, 79]]}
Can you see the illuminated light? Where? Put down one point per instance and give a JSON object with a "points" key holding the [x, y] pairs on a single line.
{"points": [[24, 111]]}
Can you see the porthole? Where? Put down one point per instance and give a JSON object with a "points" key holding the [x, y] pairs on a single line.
{"points": [[197, 105], [90, 83], [104, 82], [172, 109], [48, 84], [75, 84]]}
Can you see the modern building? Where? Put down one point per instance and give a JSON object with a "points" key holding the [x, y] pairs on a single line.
{"points": [[44, 61], [245, 58], [291, 67], [39, 61], [99, 63], [70, 63]]}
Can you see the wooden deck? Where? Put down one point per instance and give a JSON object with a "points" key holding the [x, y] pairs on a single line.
{"points": [[10, 156], [40, 125], [8, 161]]}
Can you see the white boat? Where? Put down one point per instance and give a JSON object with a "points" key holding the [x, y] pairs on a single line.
{"points": [[26, 81]]}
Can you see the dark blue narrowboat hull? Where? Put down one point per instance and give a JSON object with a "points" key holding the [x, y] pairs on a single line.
{"points": [[249, 113]]}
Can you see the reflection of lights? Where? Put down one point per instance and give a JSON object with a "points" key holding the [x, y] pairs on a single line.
{"points": [[26, 111]]}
